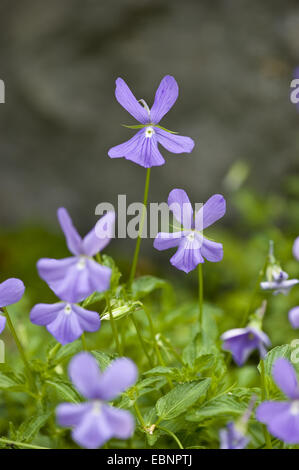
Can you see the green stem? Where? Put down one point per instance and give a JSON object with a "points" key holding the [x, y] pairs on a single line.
{"points": [[264, 396], [173, 351], [172, 435], [200, 294], [137, 248], [113, 326], [142, 341], [54, 350], [155, 342], [18, 342], [21, 444], [84, 345], [255, 292], [139, 415]]}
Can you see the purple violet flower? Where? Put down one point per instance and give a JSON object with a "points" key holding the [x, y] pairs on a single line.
{"points": [[11, 291], [143, 147], [193, 247], [282, 417], [95, 422], [65, 321], [74, 279], [242, 341], [280, 284], [232, 438]]}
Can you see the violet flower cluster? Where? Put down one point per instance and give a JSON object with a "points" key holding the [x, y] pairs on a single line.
{"points": [[74, 279]]}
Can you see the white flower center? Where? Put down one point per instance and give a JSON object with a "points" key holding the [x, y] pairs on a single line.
{"points": [[96, 407], [149, 132], [68, 309], [81, 263], [191, 237], [295, 408]]}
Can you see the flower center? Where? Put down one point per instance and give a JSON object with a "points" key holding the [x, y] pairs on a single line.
{"points": [[295, 408], [96, 407], [149, 132], [68, 309], [81, 263], [191, 236]]}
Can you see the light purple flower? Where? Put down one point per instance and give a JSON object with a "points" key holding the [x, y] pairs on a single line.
{"points": [[65, 321], [280, 283], [232, 438], [143, 147], [242, 341], [294, 317], [282, 417], [95, 422], [11, 291], [296, 249], [193, 247], [74, 279]]}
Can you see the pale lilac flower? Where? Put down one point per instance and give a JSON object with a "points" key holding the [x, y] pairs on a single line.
{"points": [[282, 417], [280, 283], [232, 438], [65, 321], [143, 147], [11, 291], [95, 422], [74, 279], [193, 247], [241, 342]]}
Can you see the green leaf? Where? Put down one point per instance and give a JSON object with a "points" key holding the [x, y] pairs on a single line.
{"points": [[9, 380], [159, 370], [232, 404], [180, 398], [103, 359], [144, 285], [31, 426], [284, 351], [65, 352], [64, 390]]}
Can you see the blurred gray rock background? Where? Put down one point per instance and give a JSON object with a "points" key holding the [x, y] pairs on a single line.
{"points": [[233, 61]]}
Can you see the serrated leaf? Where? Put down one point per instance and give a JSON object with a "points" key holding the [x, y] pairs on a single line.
{"points": [[64, 390], [9, 380], [180, 398], [30, 427], [226, 405], [284, 351], [159, 370]]}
